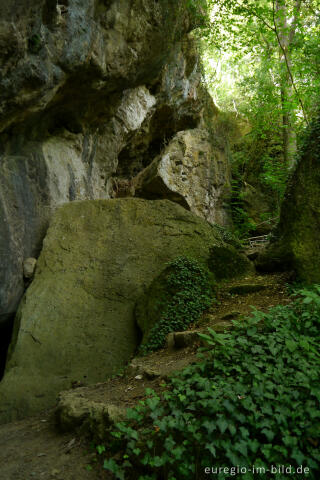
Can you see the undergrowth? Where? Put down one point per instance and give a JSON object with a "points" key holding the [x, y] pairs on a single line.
{"points": [[252, 400]]}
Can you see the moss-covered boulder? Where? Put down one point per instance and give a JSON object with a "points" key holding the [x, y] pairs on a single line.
{"points": [[76, 321], [296, 242], [226, 262]]}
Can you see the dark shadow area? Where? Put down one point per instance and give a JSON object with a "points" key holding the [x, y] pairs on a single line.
{"points": [[6, 327], [52, 9]]}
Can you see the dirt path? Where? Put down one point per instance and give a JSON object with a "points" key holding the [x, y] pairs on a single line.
{"points": [[32, 449]]}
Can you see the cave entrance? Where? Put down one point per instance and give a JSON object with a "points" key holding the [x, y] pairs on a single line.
{"points": [[6, 327]]}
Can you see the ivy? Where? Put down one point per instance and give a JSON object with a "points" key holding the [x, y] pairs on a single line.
{"points": [[190, 294], [252, 400]]}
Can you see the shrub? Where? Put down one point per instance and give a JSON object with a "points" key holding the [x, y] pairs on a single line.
{"points": [[253, 400]]}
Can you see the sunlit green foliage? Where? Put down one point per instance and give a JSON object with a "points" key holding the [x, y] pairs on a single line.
{"points": [[262, 62]]}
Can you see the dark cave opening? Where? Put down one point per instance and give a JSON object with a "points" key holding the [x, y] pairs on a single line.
{"points": [[6, 328]]}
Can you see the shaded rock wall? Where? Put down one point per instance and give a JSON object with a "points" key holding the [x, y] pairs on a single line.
{"points": [[90, 93]]}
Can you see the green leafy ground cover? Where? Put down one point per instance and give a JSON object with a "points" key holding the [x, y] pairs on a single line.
{"points": [[252, 400], [187, 293]]}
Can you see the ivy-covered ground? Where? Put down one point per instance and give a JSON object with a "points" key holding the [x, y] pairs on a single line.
{"points": [[250, 405]]}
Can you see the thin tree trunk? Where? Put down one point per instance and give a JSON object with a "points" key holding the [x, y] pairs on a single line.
{"points": [[285, 37], [288, 132]]}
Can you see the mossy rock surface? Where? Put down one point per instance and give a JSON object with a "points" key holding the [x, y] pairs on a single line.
{"points": [[226, 262], [76, 321]]}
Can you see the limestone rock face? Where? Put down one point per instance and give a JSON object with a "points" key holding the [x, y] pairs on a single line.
{"points": [[189, 172], [90, 93], [76, 321], [89, 90]]}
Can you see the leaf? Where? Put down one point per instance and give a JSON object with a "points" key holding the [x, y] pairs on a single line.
{"points": [[101, 449], [209, 425], [113, 467], [211, 449], [269, 434], [232, 429], [222, 424], [291, 345], [242, 448]]}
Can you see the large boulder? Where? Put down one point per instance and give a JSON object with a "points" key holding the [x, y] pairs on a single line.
{"points": [[191, 172], [76, 321], [296, 241]]}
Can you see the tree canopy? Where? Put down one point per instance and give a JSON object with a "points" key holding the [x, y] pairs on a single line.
{"points": [[262, 64]]}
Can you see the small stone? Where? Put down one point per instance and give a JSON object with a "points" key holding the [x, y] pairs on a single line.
{"points": [[138, 377], [29, 266], [185, 339], [151, 374]]}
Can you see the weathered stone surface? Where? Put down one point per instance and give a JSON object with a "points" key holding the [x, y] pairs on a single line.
{"points": [[97, 407], [76, 321], [88, 90], [151, 367], [191, 172], [79, 54], [225, 262], [29, 266], [186, 339], [75, 410], [296, 241]]}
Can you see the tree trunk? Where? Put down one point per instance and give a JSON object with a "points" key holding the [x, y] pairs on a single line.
{"points": [[285, 37]]}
